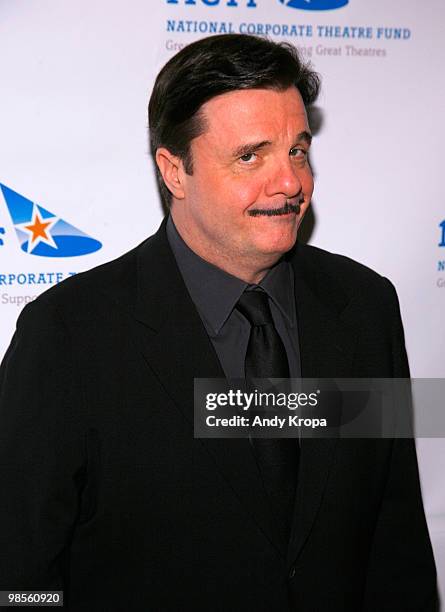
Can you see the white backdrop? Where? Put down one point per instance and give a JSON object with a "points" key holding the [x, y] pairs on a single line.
{"points": [[75, 81]]}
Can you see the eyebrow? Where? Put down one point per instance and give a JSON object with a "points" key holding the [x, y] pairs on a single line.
{"points": [[306, 136], [251, 148], [256, 146]]}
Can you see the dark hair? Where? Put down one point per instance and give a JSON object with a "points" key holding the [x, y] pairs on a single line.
{"points": [[212, 66]]}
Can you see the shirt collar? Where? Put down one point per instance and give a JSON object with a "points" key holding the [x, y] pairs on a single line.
{"points": [[216, 292]]}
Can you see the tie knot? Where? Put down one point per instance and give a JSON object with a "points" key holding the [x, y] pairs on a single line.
{"points": [[254, 305]]}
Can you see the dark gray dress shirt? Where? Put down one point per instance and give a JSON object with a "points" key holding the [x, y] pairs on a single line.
{"points": [[215, 294]]}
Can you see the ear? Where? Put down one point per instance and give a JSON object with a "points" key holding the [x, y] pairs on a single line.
{"points": [[172, 170]]}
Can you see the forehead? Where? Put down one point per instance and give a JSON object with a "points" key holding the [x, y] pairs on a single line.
{"points": [[255, 112]]}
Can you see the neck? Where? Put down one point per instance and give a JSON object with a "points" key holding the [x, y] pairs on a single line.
{"points": [[248, 269]]}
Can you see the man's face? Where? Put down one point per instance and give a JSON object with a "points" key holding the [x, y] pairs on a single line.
{"points": [[250, 161]]}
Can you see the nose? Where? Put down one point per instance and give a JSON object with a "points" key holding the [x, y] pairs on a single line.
{"points": [[285, 179]]}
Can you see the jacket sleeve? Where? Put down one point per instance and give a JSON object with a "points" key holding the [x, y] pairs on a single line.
{"points": [[401, 574], [41, 456]]}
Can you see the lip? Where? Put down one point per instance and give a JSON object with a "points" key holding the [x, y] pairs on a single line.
{"points": [[289, 213], [271, 214], [290, 217]]}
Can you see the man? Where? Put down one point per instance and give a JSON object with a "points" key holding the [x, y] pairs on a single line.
{"points": [[105, 492]]}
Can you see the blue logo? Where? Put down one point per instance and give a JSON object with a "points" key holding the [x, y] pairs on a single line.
{"points": [[250, 3], [315, 5], [42, 233], [442, 237]]}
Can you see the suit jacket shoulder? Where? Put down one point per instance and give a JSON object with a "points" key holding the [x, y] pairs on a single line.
{"points": [[333, 274], [83, 295]]}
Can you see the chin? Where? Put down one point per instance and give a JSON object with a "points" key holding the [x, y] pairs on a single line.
{"points": [[280, 244], [278, 248]]}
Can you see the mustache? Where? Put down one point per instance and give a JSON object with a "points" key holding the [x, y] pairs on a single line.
{"points": [[273, 212]]}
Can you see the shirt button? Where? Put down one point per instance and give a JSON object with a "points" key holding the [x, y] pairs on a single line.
{"points": [[292, 572]]}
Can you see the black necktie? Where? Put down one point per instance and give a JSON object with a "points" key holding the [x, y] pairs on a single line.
{"points": [[266, 358]]}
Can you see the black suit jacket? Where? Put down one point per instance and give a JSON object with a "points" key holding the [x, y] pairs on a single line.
{"points": [[107, 495]]}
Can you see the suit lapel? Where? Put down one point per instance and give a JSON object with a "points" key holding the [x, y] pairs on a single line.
{"points": [[326, 350], [176, 348]]}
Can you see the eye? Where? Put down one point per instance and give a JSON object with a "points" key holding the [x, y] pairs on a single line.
{"points": [[298, 152], [248, 157]]}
